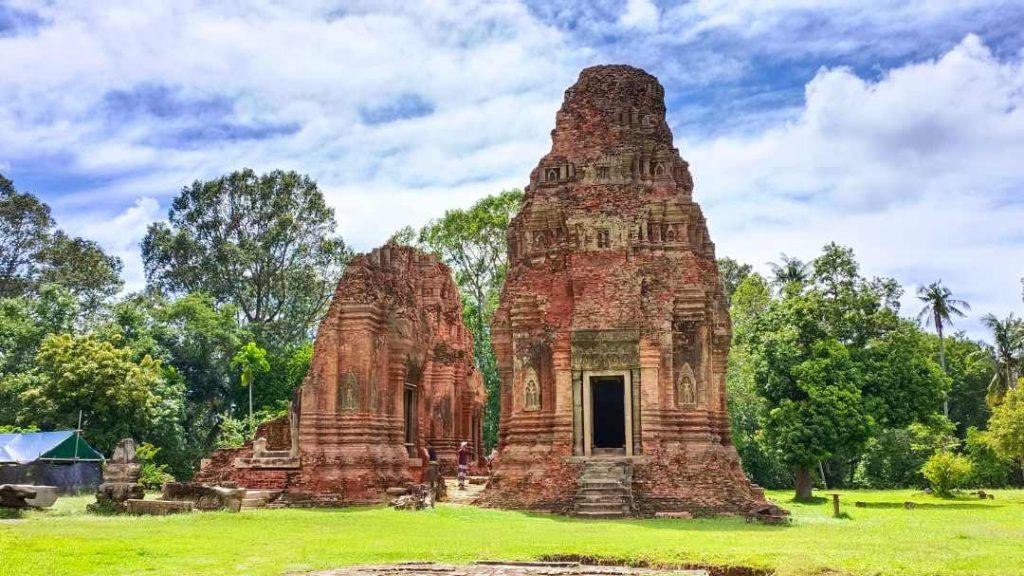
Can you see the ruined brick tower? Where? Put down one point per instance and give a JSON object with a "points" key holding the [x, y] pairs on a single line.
{"points": [[392, 372], [612, 332]]}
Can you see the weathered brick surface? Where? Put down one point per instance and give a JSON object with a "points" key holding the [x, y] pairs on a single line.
{"points": [[611, 268], [395, 323]]}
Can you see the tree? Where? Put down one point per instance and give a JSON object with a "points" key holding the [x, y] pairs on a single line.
{"points": [[195, 339], [250, 361], [33, 254], [789, 271], [1006, 427], [939, 308], [473, 243], [1006, 352], [821, 414], [25, 225], [834, 361], [970, 369], [263, 243], [732, 273], [83, 268], [404, 236], [117, 395]]}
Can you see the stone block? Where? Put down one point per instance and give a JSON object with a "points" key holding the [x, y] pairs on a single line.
{"points": [[157, 507], [205, 498]]}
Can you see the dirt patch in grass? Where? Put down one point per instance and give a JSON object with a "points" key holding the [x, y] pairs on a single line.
{"points": [[640, 563]]}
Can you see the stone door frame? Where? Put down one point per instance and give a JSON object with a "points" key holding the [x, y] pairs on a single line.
{"points": [[588, 408]]}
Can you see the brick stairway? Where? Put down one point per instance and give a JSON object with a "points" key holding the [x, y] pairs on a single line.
{"points": [[605, 489], [258, 498]]}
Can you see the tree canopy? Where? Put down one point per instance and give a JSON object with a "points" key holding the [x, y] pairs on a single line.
{"points": [[264, 243]]}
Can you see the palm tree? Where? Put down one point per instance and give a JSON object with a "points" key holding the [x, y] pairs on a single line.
{"points": [[1007, 352], [789, 271], [939, 308]]}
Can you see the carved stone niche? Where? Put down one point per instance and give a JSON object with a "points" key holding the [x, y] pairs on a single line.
{"points": [[553, 174]]}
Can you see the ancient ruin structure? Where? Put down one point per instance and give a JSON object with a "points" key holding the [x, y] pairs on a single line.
{"points": [[392, 373], [120, 479], [612, 332]]}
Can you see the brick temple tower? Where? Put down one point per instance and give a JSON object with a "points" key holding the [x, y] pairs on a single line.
{"points": [[612, 332]]}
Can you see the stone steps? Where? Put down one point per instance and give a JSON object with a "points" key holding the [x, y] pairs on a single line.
{"points": [[258, 498], [604, 489]]}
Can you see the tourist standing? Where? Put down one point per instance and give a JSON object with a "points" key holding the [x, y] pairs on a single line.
{"points": [[463, 464]]}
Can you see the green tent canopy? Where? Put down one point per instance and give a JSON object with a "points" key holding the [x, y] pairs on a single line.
{"points": [[28, 447]]}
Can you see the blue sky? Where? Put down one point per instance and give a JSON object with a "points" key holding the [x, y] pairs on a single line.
{"points": [[896, 128]]}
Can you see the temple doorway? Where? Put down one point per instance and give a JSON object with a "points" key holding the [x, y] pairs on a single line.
{"points": [[607, 415], [609, 410], [409, 418]]}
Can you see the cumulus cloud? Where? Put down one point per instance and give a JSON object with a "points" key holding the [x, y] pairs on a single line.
{"points": [[918, 171], [641, 14], [875, 124], [119, 233]]}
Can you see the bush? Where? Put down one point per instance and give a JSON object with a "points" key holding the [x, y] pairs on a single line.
{"points": [[894, 458], [946, 472], [989, 470], [152, 475]]}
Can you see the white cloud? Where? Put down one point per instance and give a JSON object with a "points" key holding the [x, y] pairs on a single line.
{"points": [[641, 14], [918, 171], [119, 234]]}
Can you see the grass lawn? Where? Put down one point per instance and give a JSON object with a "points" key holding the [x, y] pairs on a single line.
{"points": [[964, 536]]}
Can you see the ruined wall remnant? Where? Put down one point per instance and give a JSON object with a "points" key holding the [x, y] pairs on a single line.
{"points": [[392, 372], [612, 281]]}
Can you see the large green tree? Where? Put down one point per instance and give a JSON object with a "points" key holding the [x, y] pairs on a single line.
{"points": [[25, 225], [196, 338], [265, 243], [473, 243], [732, 273], [117, 395], [834, 361], [33, 253]]}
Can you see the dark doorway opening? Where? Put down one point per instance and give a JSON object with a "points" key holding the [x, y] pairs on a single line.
{"points": [[409, 417], [609, 411]]}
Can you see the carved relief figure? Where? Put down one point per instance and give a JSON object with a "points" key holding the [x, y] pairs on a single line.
{"points": [[532, 392], [348, 393], [687, 392]]}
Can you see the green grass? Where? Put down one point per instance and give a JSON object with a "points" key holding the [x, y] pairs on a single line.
{"points": [[963, 536]]}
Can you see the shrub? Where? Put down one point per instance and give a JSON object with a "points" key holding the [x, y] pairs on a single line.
{"points": [[946, 472], [152, 475], [989, 470]]}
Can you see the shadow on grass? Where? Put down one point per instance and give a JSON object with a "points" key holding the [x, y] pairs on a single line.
{"points": [[928, 505]]}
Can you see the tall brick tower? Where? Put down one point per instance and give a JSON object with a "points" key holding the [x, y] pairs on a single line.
{"points": [[612, 333]]}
